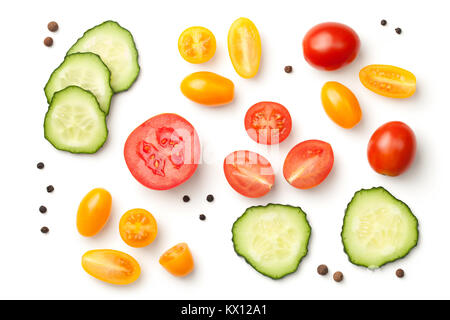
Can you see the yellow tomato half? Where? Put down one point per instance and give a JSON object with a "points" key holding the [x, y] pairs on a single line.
{"points": [[93, 212], [111, 266], [208, 88], [197, 45], [341, 105], [388, 81], [138, 228], [244, 47]]}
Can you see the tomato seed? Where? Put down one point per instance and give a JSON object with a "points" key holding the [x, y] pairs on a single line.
{"points": [[210, 198], [42, 209], [186, 199], [50, 188], [48, 41], [40, 165], [44, 230], [202, 217]]}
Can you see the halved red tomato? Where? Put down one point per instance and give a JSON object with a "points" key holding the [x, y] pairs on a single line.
{"points": [[163, 152], [249, 173], [308, 164], [268, 122]]}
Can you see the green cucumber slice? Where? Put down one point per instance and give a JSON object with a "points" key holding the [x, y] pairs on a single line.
{"points": [[85, 70], [115, 46], [74, 121], [378, 228], [273, 239]]}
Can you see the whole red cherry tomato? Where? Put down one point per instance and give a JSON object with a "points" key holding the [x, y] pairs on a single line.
{"points": [[330, 46], [392, 148]]}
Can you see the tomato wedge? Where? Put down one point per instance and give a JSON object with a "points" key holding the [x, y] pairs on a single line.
{"points": [[208, 88], [341, 105], [163, 152], [138, 228], [93, 212], [249, 173], [197, 44], [308, 164], [178, 260], [244, 47], [111, 266], [268, 122], [388, 81]]}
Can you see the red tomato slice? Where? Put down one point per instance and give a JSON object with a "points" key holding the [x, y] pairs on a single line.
{"points": [[268, 122], [308, 164], [163, 152], [249, 173]]}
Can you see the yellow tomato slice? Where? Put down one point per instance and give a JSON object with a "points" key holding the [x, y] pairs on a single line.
{"points": [[341, 105], [244, 47], [197, 45], [111, 266], [138, 228], [388, 81]]}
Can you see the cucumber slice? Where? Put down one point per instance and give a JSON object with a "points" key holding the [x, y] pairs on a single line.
{"points": [[85, 70], [74, 121], [115, 45], [272, 239], [378, 228]]}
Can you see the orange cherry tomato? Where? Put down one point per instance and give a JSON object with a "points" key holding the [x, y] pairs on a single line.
{"points": [[341, 105], [178, 260], [138, 228], [388, 81], [111, 266], [197, 45], [208, 88], [244, 47], [93, 212]]}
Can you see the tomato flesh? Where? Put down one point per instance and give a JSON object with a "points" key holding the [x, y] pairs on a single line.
{"points": [[208, 88], [341, 105], [93, 212], [111, 266], [308, 164], [392, 148], [197, 45], [163, 152], [138, 228], [330, 46], [268, 123], [388, 81], [244, 47], [249, 173], [178, 260]]}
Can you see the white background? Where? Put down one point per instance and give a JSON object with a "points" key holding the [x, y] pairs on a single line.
{"points": [[34, 265]]}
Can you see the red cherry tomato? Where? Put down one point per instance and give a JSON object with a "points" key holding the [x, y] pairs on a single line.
{"points": [[163, 152], [308, 164], [268, 122], [392, 148], [330, 46], [249, 173]]}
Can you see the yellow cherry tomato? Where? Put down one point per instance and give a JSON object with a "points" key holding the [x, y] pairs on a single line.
{"points": [[244, 47], [197, 45], [388, 81], [208, 88], [93, 212], [138, 228], [111, 266], [178, 260], [341, 105]]}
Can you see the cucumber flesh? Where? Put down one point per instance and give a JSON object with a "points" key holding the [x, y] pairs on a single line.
{"points": [[273, 239], [378, 228], [85, 70], [115, 46], [74, 121]]}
